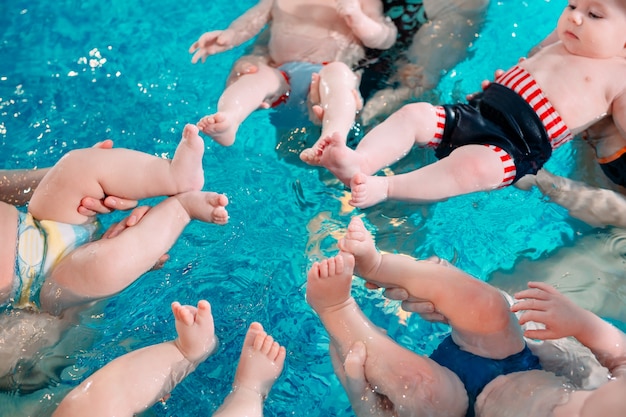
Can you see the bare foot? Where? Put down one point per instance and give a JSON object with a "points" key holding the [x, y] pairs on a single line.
{"points": [[196, 332], [329, 283], [260, 363], [359, 242], [313, 155], [368, 190], [186, 164], [219, 127], [333, 154], [206, 206]]}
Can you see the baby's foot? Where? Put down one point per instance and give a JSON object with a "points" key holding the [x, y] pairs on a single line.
{"points": [[359, 242], [260, 363], [206, 206], [196, 332], [333, 154], [368, 190], [186, 164], [313, 155], [329, 282], [219, 127]]}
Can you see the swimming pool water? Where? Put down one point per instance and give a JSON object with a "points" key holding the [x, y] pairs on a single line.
{"points": [[75, 72]]}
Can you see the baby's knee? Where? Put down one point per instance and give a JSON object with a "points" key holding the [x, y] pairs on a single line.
{"points": [[419, 114], [338, 71]]}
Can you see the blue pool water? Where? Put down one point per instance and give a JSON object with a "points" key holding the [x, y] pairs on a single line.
{"points": [[75, 72]]}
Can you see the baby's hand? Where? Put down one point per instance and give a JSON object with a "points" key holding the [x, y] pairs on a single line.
{"points": [[542, 303], [349, 9], [211, 43]]}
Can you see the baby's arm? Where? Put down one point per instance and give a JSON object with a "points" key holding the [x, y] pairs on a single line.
{"points": [[368, 23], [542, 303], [242, 29]]}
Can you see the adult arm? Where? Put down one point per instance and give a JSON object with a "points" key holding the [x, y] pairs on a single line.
{"points": [[444, 40], [438, 45], [17, 185], [595, 206]]}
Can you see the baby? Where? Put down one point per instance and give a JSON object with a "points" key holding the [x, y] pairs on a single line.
{"points": [[58, 264], [483, 368], [306, 37], [509, 130]]}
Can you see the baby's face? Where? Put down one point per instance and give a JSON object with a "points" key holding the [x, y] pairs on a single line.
{"points": [[594, 28]]}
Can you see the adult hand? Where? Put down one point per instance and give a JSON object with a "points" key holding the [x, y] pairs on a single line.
{"points": [[485, 83], [316, 111], [133, 219], [424, 308], [90, 206]]}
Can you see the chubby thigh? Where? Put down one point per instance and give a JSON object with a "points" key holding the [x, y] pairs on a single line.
{"points": [[415, 384]]}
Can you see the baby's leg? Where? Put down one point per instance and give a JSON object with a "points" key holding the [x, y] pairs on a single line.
{"points": [[467, 169], [107, 266], [414, 384], [339, 102], [120, 172], [260, 364], [239, 100], [133, 382], [490, 330], [384, 145]]}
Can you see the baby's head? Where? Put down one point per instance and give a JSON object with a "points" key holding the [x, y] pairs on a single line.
{"points": [[594, 28]]}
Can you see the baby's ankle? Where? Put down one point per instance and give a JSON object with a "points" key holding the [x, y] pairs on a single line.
{"points": [[367, 263], [254, 391]]}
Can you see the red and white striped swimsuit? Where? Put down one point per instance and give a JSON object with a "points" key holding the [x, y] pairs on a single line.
{"points": [[520, 81]]}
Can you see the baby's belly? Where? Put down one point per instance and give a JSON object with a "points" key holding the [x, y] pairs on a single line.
{"points": [[302, 49]]}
